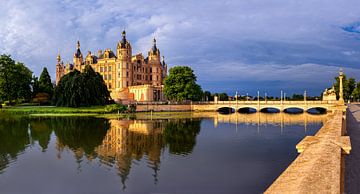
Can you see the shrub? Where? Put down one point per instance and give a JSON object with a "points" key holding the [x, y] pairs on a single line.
{"points": [[115, 108]]}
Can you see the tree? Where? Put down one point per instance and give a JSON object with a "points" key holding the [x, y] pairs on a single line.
{"points": [[15, 80], [208, 96], [223, 96], [77, 89], [181, 85], [45, 84], [348, 86], [356, 92], [297, 97]]}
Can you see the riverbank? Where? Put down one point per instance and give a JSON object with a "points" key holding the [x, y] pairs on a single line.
{"points": [[96, 111], [27, 110]]}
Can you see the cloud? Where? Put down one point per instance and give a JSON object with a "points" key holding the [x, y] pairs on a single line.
{"points": [[228, 41]]}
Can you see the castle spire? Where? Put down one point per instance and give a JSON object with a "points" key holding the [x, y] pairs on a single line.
{"points": [[58, 57], [78, 45], [154, 48], [123, 34]]}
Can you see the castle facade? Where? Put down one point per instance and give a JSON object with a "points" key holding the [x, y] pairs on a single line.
{"points": [[129, 78]]}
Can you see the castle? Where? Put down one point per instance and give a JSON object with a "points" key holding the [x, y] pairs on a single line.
{"points": [[129, 78]]}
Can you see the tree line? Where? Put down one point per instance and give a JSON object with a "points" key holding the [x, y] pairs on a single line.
{"points": [[75, 89]]}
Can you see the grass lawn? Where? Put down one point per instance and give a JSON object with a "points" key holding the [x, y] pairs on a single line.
{"points": [[95, 111], [52, 110]]}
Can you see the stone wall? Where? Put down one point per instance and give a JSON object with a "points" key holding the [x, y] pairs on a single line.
{"points": [[320, 166], [162, 107]]}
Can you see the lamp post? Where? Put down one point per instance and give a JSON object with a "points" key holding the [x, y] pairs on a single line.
{"points": [[305, 96], [281, 97], [341, 95]]}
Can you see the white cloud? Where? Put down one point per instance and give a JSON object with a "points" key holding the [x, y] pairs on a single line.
{"points": [[298, 40]]}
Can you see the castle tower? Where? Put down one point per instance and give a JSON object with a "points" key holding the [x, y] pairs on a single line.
{"points": [[155, 64], [123, 63], [78, 57], [59, 69]]}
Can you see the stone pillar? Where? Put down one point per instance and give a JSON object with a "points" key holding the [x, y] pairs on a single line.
{"points": [[215, 99], [341, 94]]}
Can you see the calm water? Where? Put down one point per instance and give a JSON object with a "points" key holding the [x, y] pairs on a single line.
{"points": [[218, 154]]}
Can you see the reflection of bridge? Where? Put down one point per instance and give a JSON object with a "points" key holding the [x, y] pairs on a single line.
{"points": [[261, 105], [263, 118]]}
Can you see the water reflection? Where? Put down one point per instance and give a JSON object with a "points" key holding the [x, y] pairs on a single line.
{"points": [[120, 144], [14, 138]]}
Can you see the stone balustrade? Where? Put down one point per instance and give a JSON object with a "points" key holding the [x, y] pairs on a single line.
{"points": [[320, 166]]}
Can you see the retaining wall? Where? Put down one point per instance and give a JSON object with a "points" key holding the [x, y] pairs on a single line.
{"points": [[320, 166]]}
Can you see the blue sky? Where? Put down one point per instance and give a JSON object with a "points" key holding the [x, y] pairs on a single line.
{"points": [[233, 45]]}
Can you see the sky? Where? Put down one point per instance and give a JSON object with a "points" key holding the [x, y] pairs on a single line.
{"points": [[232, 45]]}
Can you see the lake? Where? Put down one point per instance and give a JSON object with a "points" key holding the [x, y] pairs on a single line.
{"points": [[199, 153]]}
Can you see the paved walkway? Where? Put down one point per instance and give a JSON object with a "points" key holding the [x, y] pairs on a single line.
{"points": [[352, 161]]}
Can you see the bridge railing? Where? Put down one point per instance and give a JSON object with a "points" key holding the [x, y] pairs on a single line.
{"points": [[268, 102]]}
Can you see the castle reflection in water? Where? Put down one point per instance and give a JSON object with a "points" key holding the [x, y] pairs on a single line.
{"points": [[116, 143]]}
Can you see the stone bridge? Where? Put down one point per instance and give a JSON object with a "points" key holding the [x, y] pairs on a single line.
{"points": [[281, 106], [261, 105]]}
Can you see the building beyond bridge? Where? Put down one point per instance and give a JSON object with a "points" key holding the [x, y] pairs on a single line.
{"points": [[128, 77]]}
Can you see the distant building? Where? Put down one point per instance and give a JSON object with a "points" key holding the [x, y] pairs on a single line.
{"points": [[128, 77]]}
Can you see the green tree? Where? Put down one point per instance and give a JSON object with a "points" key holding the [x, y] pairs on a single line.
{"points": [[45, 84], [15, 80], [356, 92], [181, 85], [297, 97], [208, 96], [77, 89], [223, 96], [348, 86]]}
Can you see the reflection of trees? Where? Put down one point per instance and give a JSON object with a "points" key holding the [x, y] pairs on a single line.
{"points": [[180, 135], [13, 139], [80, 134], [41, 131]]}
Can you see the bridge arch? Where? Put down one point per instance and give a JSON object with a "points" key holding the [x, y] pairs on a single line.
{"points": [[247, 110], [317, 110], [294, 110], [270, 110], [226, 110]]}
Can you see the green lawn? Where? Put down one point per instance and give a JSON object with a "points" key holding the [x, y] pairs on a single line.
{"points": [[52, 110]]}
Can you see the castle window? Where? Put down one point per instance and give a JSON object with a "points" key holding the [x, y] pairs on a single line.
{"points": [[127, 66], [109, 85], [119, 75], [127, 74], [109, 68], [109, 77], [105, 69], [157, 78], [150, 70], [127, 84], [150, 77], [101, 69]]}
